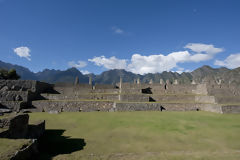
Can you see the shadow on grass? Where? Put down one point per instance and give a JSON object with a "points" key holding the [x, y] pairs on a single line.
{"points": [[53, 143]]}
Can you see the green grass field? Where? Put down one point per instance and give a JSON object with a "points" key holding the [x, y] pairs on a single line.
{"points": [[140, 135]]}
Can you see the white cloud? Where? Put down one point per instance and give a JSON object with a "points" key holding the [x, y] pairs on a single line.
{"points": [[204, 52], [203, 48], [23, 52], [232, 61], [84, 72], [158, 63], [79, 64], [117, 30], [109, 63]]}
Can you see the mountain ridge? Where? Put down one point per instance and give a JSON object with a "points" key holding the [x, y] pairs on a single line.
{"points": [[204, 73]]}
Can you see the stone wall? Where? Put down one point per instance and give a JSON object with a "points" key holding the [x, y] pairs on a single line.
{"points": [[24, 85], [14, 106], [109, 97], [13, 95], [155, 107], [227, 99], [167, 107], [104, 86], [72, 106], [17, 85], [210, 107], [137, 107], [173, 98], [172, 89], [204, 99], [231, 109]]}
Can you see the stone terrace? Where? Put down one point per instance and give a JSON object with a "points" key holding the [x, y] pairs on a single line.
{"points": [[30, 96]]}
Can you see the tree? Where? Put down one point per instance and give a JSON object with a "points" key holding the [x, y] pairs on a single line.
{"points": [[11, 74]]}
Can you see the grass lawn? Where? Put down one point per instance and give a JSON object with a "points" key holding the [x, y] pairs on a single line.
{"points": [[140, 135]]}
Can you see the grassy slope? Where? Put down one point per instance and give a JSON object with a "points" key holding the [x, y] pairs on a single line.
{"points": [[142, 135]]}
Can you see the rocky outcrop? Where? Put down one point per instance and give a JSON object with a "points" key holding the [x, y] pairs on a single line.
{"points": [[17, 126]]}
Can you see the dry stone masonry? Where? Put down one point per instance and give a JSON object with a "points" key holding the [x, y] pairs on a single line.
{"points": [[31, 96]]}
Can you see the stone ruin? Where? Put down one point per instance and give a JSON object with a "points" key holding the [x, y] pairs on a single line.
{"points": [[18, 127], [34, 96]]}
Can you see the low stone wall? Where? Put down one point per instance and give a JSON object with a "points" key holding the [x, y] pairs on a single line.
{"points": [[14, 106], [231, 109], [72, 106]]}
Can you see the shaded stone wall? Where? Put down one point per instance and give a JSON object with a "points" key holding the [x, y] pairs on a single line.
{"points": [[17, 126]]}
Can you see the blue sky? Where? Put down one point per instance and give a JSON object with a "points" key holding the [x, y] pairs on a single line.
{"points": [[142, 36]]}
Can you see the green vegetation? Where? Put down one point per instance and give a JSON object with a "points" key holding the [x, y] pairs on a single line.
{"points": [[11, 74], [140, 135]]}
